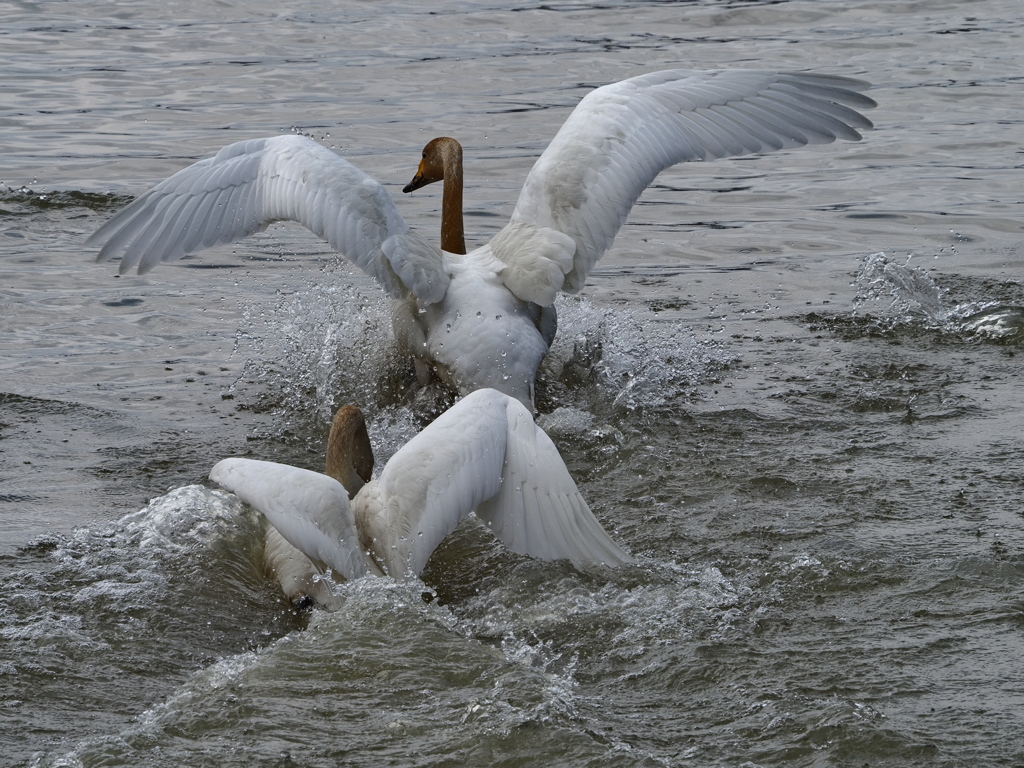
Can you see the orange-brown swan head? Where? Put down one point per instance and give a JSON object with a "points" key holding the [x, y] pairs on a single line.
{"points": [[443, 154], [349, 455]]}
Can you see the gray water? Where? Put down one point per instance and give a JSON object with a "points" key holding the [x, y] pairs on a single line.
{"points": [[791, 389]]}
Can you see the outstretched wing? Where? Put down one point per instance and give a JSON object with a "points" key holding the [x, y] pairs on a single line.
{"points": [[485, 453], [309, 509], [250, 184], [621, 136]]}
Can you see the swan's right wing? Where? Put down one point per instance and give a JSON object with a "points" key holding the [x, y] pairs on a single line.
{"points": [[309, 509], [250, 184], [485, 453], [622, 135], [539, 510]]}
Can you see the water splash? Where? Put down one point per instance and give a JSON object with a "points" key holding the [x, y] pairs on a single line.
{"points": [[993, 320], [636, 360], [122, 567], [332, 343], [913, 293], [915, 297], [182, 520], [554, 687], [328, 344]]}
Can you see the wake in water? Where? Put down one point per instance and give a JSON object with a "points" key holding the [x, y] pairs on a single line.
{"points": [[915, 297], [510, 656]]}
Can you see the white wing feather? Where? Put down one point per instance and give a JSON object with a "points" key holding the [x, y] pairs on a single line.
{"points": [[309, 509], [248, 185], [486, 453], [438, 478], [539, 511], [622, 135]]}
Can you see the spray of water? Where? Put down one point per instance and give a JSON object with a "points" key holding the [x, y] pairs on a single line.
{"points": [[331, 343], [914, 297], [626, 357]]}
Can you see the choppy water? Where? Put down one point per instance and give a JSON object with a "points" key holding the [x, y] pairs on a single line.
{"points": [[792, 390]]}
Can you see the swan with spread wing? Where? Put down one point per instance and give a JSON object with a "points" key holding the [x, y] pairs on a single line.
{"points": [[487, 318], [485, 455]]}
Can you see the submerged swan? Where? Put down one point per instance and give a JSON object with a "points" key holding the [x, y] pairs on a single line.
{"points": [[487, 319], [484, 454]]}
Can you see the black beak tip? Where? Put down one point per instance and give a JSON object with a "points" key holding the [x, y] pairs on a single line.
{"points": [[409, 187]]}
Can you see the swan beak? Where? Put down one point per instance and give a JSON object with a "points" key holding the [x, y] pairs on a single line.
{"points": [[424, 175], [417, 181]]}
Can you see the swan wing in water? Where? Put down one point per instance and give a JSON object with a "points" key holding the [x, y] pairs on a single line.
{"points": [[250, 184], [310, 510], [484, 453], [622, 135]]}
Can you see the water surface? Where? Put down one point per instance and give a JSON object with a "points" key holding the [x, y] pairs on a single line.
{"points": [[791, 389]]}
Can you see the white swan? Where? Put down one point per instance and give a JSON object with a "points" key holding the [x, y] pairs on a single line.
{"points": [[487, 319], [484, 454]]}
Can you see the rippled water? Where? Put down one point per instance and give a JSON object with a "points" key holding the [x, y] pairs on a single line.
{"points": [[792, 390]]}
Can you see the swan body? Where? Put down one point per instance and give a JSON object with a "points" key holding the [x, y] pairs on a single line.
{"points": [[479, 334], [574, 200], [485, 455]]}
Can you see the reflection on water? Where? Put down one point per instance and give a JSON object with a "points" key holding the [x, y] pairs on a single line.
{"points": [[812, 447]]}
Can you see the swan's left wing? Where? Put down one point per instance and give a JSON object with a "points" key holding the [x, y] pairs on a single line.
{"points": [[621, 136], [250, 184], [309, 509], [486, 453], [436, 480]]}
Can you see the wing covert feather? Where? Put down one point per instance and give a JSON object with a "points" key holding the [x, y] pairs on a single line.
{"points": [[486, 454], [438, 478], [539, 511]]}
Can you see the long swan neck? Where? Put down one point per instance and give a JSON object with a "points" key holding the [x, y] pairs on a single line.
{"points": [[349, 454], [453, 237]]}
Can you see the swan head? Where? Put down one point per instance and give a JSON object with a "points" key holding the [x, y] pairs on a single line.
{"points": [[441, 154], [349, 454]]}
